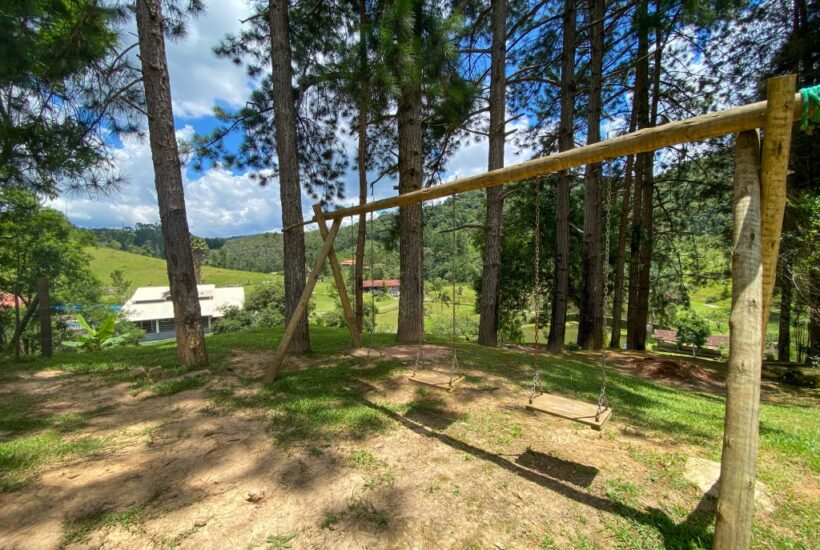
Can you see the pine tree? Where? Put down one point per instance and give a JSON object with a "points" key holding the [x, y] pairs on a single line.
{"points": [[566, 140], [168, 179], [488, 320], [591, 317], [418, 69]]}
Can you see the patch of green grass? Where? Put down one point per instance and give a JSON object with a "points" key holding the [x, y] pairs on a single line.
{"points": [[20, 457], [579, 541], [279, 542], [497, 428], [330, 521], [78, 530], [363, 460], [170, 387], [622, 492], [664, 466]]}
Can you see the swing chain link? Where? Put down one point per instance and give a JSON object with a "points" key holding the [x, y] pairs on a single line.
{"points": [[453, 263], [371, 237], [536, 379], [603, 404]]}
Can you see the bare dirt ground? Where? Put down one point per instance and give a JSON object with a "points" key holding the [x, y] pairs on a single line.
{"points": [[468, 469]]}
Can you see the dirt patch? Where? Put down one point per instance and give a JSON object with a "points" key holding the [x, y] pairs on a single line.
{"points": [[671, 369], [467, 468]]}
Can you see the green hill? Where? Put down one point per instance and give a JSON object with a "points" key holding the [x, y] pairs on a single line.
{"points": [[148, 271]]}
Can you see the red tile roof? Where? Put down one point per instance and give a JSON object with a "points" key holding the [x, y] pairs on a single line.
{"points": [[665, 335], [7, 300], [380, 283]]}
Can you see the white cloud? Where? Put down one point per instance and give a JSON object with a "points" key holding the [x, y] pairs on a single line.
{"points": [[218, 202], [198, 78]]}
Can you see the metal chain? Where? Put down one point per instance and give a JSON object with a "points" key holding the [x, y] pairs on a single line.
{"points": [[603, 404], [453, 263], [369, 230], [536, 379]]}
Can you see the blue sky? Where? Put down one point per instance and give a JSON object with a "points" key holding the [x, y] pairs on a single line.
{"points": [[220, 202]]}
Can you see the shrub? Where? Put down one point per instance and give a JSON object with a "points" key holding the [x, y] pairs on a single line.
{"points": [[692, 329], [234, 319], [104, 336]]}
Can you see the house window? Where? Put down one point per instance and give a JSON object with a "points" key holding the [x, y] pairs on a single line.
{"points": [[147, 326], [166, 325]]}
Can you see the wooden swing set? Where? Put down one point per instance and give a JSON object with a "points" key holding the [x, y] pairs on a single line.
{"points": [[758, 206]]}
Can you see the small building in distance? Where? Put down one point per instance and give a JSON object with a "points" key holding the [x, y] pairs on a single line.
{"points": [[348, 263], [152, 310], [388, 285]]}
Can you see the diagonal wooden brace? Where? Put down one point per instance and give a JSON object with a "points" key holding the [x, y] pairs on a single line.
{"points": [[336, 268], [301, 306]]}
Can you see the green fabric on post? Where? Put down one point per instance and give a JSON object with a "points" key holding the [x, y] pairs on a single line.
{"points": [[811, 108]]}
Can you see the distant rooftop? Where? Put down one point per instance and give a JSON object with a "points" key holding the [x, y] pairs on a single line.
{"points": [[154, 302]]}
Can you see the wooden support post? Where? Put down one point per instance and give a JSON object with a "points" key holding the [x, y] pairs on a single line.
{"points": [[301, 306], [736, 502], [336, 268], [45, 317], [777, 140]]}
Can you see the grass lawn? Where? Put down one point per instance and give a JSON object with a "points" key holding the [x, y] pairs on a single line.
{"points": [[332, 455], [147, 271]]}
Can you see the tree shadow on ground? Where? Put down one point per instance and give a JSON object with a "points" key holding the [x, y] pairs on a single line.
{"points": [[692, 532], [579, 475]]}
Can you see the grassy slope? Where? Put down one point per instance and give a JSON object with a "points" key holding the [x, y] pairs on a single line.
{"points": [[147, 271]]}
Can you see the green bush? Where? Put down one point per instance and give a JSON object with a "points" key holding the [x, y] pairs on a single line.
{"points": [[692, 329], [104, 336], [234, 319]]}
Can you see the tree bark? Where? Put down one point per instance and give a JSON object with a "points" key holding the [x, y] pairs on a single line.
{"points": [[636, 320], [411, 245], [620, 258], [560, 288], [45, 317], [488, 319], [290, 190], [736, 502], [168, 181], [591, 314], [784, 335], [361, 161], [21, 324], [814, 312]]}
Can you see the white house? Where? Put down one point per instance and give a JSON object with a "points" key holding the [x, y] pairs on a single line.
{"points": [[152, 310]]}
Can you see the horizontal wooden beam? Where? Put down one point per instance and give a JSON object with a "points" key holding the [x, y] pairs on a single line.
{"points": [[699, 128]]}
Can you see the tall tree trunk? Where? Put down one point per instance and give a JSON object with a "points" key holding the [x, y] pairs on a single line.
{"points": [[736, 503], [290, 191], [647, 206], [620, 258], [635, 326], [560, 288], [411, 245], [813, 288], [44, 298], [21, 324], [591, 315], [784, 335], [488, 320], [168, 181], [362, 167]]}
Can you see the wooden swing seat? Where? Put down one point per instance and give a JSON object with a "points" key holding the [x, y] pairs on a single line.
{"points": [[365, 353], [436, 379], [570, 409]]}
